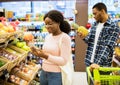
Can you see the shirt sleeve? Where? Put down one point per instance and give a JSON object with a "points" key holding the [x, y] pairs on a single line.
{"points": [[65, 52], [90, 36]]}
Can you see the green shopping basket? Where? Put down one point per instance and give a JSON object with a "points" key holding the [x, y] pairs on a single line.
{"points": [[104, 76]]}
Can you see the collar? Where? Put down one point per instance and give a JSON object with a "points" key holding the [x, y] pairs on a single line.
{"points": [[106, 23]]}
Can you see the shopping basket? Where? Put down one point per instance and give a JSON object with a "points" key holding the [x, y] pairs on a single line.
{"points": [[103, 76]]}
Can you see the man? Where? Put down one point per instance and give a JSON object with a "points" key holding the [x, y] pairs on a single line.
{"points": [[101, 38]]}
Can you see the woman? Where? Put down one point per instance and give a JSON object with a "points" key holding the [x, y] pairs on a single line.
{"points": [[56, 49]]}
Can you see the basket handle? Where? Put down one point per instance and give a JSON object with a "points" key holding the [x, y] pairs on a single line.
{"points": [[109, 69], [96, 77]]}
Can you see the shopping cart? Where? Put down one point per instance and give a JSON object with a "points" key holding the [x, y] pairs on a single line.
{"points": [[103, 76]]}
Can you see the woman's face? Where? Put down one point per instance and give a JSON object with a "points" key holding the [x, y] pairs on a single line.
{"points": [[51, 26]]}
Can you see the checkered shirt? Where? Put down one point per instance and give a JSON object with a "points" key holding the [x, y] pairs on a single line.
{"points": [[105, 44]]}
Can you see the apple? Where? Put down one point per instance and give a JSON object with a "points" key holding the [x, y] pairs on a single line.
{"points": [[26, 48], [19, 44], [15, 41], [24, 43], [88, 25]]}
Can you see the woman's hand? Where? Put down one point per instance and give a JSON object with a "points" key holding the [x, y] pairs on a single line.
{"points": [[34, 51], [39, 52]]}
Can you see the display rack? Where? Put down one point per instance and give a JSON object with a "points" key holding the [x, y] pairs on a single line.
{"points": [[13, 59], [116, 56], [72, 34]]}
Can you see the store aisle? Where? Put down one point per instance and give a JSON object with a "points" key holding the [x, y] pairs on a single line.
{"points": [[80, 78]]}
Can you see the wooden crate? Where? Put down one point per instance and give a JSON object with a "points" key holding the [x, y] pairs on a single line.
{"points": [[28, 76], [11, 63], [9, 83], [23, 75], [12, 83], [17, 49], [33, 66], [4, 37], [5, 66], [20, 51]]}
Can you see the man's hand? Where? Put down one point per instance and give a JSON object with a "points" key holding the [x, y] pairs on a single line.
{"points": [[82, 32], [81, 35], [94, 66]]}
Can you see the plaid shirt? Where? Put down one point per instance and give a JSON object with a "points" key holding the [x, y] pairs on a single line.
{"points": [[105, 44]]}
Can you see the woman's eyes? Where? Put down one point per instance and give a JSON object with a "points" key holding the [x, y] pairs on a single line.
{"points": [[49, 24]]}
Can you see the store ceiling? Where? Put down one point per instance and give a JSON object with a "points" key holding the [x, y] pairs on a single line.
{"points": [[30, 0], [23, 0]]}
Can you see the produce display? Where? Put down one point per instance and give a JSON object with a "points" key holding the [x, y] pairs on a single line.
{"points": [[7, 28], [22, 45], [13, 51], [18, 72]]}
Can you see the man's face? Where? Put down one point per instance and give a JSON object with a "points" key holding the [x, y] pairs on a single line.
{"points": [[97, 15]]}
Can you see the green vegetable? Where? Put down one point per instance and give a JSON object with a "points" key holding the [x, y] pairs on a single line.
{"points": [[1, 63]]}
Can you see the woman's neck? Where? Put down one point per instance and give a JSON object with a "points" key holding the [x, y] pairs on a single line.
{"points": [[57, 33]]}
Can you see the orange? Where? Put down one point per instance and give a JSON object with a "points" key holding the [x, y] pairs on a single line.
{"points": [[5, 28], [10, 29]]}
